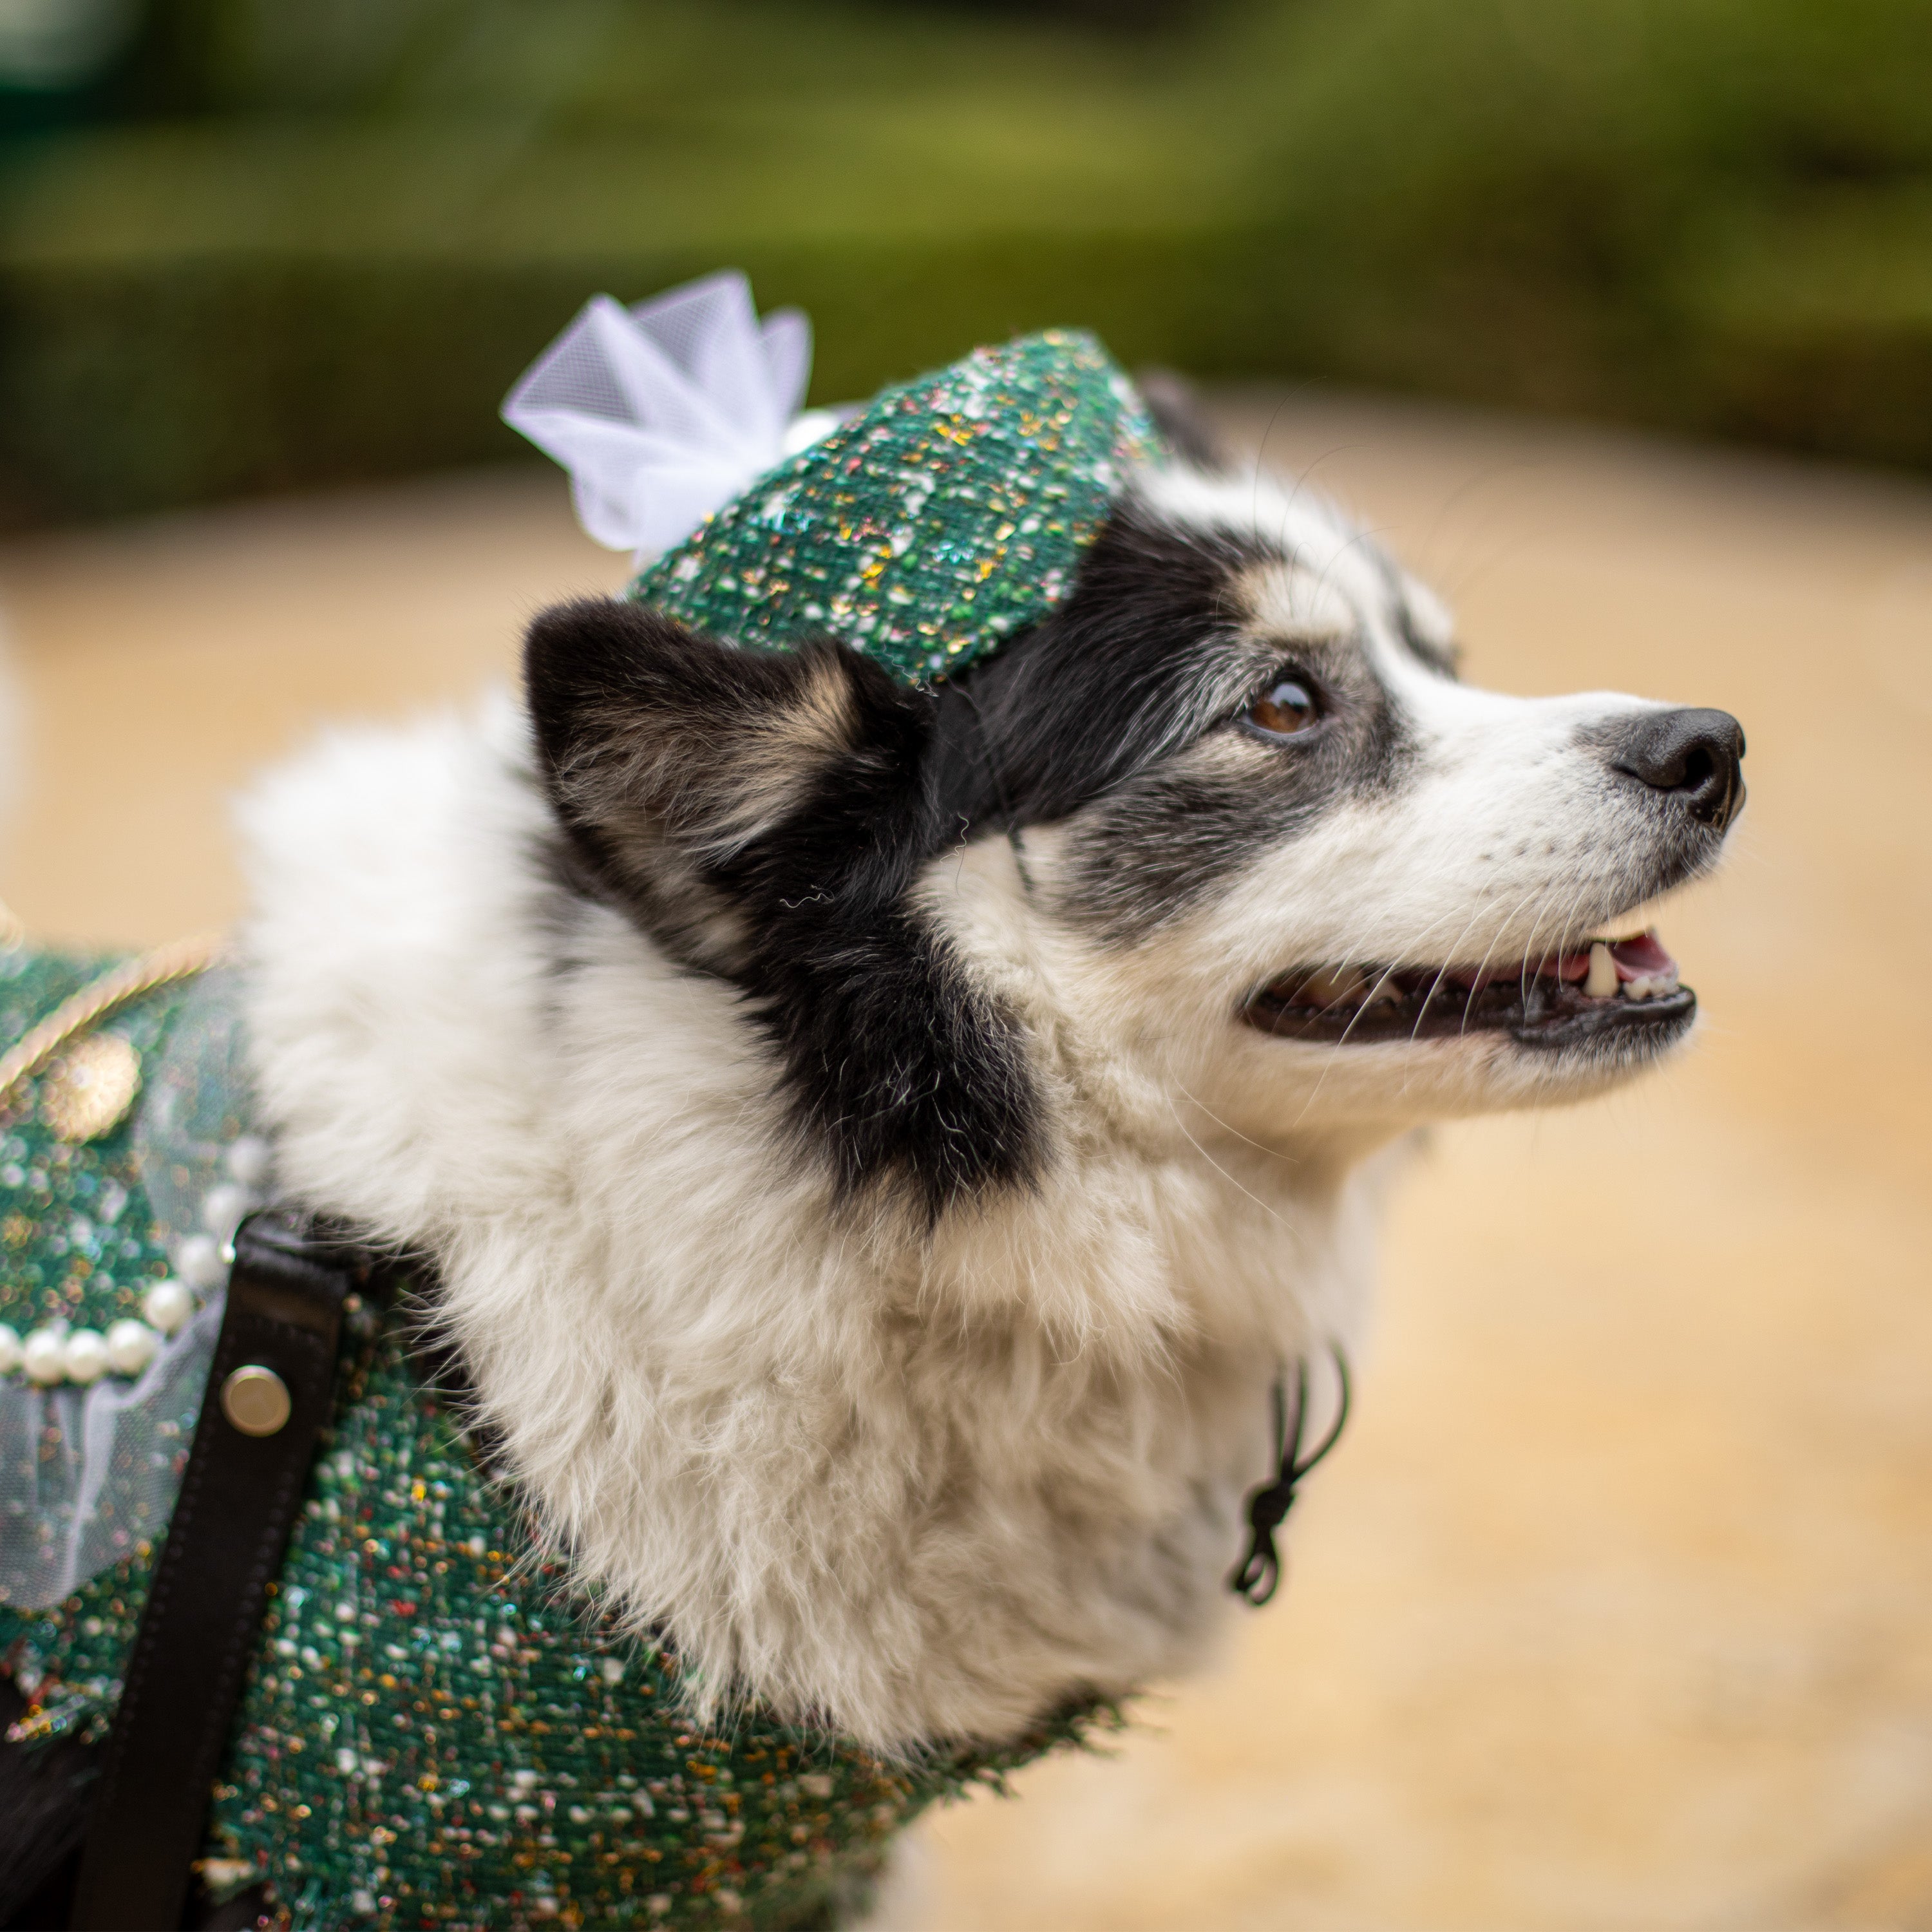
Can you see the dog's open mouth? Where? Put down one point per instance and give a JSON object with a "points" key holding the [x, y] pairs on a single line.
{"points": [[1558, 1001]]}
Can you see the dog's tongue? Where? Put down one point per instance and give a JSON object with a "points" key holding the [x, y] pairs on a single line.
{"points": [[1643, 957]]}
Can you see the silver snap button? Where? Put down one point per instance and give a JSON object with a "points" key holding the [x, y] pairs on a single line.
{"points": [[255, 1400]]}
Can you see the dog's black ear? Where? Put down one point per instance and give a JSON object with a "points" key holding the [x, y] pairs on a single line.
{"points": [[1174, 403], [764, 815], [676, 765]]}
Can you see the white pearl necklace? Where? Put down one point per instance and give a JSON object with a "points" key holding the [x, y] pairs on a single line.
{"points": [[56, 1354]]}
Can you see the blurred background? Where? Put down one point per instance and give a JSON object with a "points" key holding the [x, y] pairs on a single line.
{"points": [[252, 244], [1614, 1613]]}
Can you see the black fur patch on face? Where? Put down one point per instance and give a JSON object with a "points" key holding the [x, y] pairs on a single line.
{"points": [[1121, 712], [764, 815], [1146, 655], [1160, 843]]}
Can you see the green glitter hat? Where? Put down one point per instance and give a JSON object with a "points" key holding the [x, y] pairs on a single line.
{"points": [[949, 513]]}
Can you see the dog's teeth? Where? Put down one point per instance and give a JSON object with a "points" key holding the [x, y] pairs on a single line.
{"points": [[1333, 989], [1637, 989], [1384, 988], [1600, 982]]}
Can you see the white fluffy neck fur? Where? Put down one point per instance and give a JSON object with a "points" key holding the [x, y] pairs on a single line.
{"points": [[918, 1485]]}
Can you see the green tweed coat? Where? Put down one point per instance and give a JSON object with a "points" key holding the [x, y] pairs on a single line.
{"points": [[438, 1728]]}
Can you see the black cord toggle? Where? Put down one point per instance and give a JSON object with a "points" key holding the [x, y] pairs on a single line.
{"points": [[1260, 1574]]}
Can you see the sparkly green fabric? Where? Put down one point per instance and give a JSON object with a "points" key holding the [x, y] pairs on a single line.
{"points": [[949, 515], [438, 1729], [78, 1236], [80, 1241]]}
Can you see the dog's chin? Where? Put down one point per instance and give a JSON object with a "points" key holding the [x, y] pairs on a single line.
{"points": [[1606, 1007]]}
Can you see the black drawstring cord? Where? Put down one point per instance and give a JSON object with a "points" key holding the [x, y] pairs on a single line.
{"points": [[1260, 1573]]}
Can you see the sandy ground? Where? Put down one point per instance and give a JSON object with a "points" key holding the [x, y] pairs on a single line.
{"points": [[1615, 1609]]}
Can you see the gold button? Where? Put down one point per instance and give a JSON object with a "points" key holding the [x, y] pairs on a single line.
{"points": [[87, 1092], [256, 1399]]}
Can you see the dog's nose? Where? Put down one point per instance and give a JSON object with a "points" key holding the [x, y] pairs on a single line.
{"points": [[1696, 756]]}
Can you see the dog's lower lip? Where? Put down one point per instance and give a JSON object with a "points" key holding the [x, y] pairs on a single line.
{"points": [[1557, 1000]]}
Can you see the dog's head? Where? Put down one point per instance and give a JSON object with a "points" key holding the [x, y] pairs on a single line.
{"points": [[1224, 839]]}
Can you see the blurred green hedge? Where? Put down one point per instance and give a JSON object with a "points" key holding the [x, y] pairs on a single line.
{"points": [[321, 237]]}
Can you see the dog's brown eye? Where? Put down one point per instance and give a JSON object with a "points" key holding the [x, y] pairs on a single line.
{"points": [[1288, 708]]}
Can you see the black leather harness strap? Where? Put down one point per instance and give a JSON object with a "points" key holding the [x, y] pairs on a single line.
{"points": [[269, 1396]]}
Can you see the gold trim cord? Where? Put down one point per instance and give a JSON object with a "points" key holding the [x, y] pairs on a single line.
{"points": [[179, 959]]}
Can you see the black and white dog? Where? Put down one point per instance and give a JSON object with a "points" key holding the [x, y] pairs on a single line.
{"points": [[879, 1146]]}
